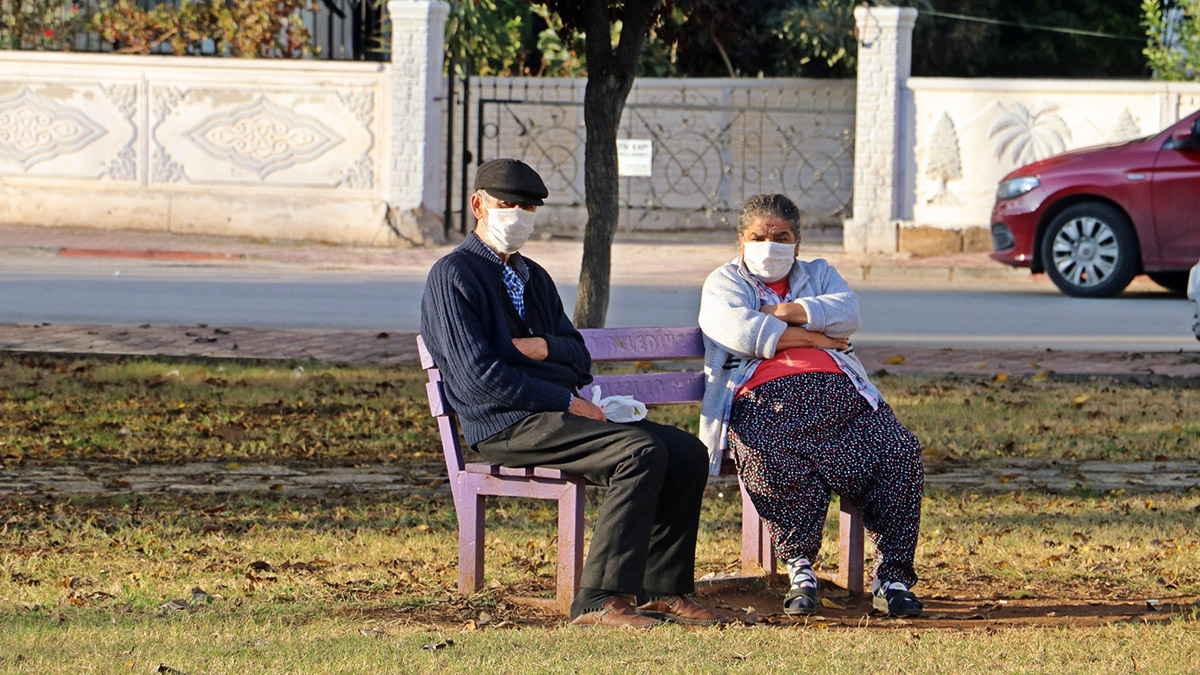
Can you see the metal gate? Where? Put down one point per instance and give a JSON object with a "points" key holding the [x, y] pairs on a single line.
{"points": [[713, 145]]}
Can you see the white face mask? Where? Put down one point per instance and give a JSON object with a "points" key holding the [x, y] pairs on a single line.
{"points": [[768, 260], [509, 229]]}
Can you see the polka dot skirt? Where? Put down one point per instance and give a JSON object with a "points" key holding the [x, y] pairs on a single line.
{"points": [[799, 437]]}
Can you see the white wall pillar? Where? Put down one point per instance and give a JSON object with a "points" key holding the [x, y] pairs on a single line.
{"points": [[415, 120], [882, 129]]}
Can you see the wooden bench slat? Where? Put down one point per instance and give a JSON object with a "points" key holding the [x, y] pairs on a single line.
{"points": [[483, 468], [641, 344], [486, 469], [651, 388], [426, 357], [438, 405]]}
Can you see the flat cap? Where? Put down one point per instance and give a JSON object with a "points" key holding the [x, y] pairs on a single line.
{"points": [[511, 180]]}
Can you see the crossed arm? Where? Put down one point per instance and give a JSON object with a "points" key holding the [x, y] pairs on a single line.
{"points": [[537, 349], [795, 335], [730, 315]]}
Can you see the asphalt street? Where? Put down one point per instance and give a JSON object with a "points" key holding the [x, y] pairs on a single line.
{"points": [[264, 295]]}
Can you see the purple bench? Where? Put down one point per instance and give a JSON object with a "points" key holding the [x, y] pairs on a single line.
{"points": [[473, 483]]}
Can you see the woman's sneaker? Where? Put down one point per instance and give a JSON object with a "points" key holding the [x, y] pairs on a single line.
{"points": [[802, 596], [894, 599]]}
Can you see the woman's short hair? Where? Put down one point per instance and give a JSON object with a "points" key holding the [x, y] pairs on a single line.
{"points": [[775, 206]]}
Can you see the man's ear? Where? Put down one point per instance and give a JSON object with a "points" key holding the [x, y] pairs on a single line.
{"points": [[476, 201]]}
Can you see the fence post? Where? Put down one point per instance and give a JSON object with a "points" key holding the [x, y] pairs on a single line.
{"points": [[414, 129], [883, 131]]}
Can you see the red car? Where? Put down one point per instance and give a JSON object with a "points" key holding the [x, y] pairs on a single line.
{"points": [[1092, 219]]}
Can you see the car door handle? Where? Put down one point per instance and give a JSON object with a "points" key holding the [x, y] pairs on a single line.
{"points": [[1135, 176]]}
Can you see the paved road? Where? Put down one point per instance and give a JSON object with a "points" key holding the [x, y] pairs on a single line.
{"points": [[264, 295]]}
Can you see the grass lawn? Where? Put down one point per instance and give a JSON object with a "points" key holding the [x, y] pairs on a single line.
{"points": [[356, 582]]}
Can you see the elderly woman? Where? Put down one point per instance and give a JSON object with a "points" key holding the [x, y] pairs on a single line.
{"points": [[793, 405]]}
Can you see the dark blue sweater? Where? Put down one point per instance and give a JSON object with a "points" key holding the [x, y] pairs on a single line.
{"points": [[468, 324]]}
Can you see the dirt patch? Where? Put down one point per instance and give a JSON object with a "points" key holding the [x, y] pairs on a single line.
{"points": [[759, 604]]}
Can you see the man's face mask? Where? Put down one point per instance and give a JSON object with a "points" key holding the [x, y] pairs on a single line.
{"points": [[509, 229], [770, 261]]}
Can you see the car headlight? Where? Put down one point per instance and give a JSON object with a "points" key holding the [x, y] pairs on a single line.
{"points": [[1015, 187]]}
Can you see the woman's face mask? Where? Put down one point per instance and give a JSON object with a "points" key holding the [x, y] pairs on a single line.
{"points": [[770, 261], [509, 229]]}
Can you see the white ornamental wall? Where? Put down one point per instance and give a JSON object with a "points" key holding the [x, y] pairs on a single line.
{"points": [[970, 132], [257, 148]]}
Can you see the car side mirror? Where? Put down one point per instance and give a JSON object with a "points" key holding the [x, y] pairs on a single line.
{"points": [[1187, 139]]}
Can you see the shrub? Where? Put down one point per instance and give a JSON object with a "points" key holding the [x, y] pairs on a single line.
{"points": [[40, 25], [1173, 48], [247, 28]]}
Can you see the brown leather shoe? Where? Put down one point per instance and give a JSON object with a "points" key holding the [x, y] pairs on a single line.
{"points": [[682, 609], [616, 612]]}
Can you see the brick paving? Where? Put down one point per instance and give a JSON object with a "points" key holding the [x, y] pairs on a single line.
{"points": [[204, 341], [399, 347]]}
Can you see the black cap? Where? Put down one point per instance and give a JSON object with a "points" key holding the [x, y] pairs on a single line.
{"points": [[511, 180]]}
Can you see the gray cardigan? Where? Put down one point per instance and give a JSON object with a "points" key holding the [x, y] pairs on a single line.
{"points": [[736, 333]]}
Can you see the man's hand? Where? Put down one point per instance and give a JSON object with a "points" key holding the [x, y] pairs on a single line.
{"points": [[534, 347], [585, 408], [791, 312]]}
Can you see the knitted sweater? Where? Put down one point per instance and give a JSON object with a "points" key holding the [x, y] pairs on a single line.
{"points": [[468, 323]]}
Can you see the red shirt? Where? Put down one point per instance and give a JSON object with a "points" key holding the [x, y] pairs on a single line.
{"points": [[790, 361]]}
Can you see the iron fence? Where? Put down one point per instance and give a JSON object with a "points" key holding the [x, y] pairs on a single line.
{"points": [[713, 145]]}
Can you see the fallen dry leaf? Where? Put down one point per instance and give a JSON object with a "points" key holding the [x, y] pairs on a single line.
{"points": [[177, 605]]}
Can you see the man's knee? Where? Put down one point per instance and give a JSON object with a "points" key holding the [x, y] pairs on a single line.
{"points": [[643, 449]]}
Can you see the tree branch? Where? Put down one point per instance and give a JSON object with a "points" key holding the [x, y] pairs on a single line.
{"points": [[634, 26], [597, 32], [712, 33]]}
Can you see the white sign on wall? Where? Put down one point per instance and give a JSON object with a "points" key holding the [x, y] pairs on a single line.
{"points": [[634, 156]]}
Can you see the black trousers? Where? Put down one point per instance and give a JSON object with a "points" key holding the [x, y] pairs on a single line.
{"points": [[645, 536]]}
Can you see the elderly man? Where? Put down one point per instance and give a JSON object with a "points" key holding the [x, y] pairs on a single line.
{"points": [[512, 365]]}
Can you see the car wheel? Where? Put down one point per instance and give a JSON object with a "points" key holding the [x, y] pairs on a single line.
{"points": [[1175, 281], [1090, 251]]}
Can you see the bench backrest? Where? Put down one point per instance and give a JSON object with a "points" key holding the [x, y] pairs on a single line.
{"points": [[605, 345], [647, 344]]}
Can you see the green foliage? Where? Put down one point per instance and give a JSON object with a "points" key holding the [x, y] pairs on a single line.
{"points": [[687, 38], [769, 38], [561, 56], [488, 34], [38, 25], [822, 31], [952, 47], [246, 28], [1173, 47]]}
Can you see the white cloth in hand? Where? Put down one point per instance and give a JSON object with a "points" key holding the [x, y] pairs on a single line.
{"points": [[619, 408]]}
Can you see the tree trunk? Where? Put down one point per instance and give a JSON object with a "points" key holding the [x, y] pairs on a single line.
{"points": [[610, 74], [603, 102]]}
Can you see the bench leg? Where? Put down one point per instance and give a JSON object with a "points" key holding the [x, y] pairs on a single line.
{"points": [[758, 554], [570, 544], [472, 514], [850, 548]]}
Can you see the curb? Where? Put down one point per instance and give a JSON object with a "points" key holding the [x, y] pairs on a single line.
{"points": [[186, 256]]}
